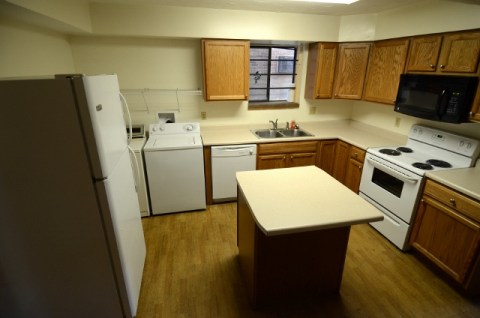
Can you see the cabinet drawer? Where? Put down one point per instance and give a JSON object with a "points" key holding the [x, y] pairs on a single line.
{"points": [[357, 153], [287, 147], [451, 198]]}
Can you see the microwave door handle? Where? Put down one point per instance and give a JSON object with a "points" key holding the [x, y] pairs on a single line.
{"points": [[391, 172], [441, 107]]}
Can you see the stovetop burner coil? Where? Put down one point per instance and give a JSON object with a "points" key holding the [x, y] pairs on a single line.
{"points": [[422, 165], [439, 163], [405, 149], [390, 152]]}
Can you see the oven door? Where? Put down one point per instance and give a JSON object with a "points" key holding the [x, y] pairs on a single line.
{"points": [[394, 188]]}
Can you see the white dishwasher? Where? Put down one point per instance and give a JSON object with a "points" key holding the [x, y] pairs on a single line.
{"points": [[226, 161]]}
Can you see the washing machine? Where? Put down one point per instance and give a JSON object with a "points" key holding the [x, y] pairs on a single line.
{"points": [[175, 168]]}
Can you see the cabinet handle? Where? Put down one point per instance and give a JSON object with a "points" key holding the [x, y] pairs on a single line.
{"points": [[360, 167], [355, 155], [442, 66], [452, 202], [432, 66]]}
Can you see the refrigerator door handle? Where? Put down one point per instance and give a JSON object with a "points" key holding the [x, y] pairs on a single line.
{"points": [[137, 176], [125, 104]]}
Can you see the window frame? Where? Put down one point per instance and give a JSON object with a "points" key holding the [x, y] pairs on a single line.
{"points": [[275, 104]]}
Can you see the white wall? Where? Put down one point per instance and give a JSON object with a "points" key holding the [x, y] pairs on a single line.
{"points": [[183, 22], [157, 63], [158, 47], [28, 51], [422, 18]]}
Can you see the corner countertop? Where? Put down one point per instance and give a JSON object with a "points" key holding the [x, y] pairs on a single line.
{"points": [[301, 199], [466, 181], [355, 133]]}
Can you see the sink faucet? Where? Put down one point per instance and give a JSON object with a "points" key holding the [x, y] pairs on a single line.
{"points": [[275, 124]]}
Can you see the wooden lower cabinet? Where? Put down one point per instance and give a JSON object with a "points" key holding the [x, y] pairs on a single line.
{"points": [[342, 151], [286, 154], [326, 155], [447, 232], [348, 165]]}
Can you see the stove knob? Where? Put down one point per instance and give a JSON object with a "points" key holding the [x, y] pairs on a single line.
{"points": [[469, 145]]}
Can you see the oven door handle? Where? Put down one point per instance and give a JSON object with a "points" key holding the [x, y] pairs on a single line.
{"points": [[392, 172]]}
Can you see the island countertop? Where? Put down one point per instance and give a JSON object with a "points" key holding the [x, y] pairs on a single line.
{"points": [[301, 199]]}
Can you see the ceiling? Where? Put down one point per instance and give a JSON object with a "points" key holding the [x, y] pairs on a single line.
{"points": [[291, 6]]}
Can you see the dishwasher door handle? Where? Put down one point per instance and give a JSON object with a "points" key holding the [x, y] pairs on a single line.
{"points": [[232, 151]]}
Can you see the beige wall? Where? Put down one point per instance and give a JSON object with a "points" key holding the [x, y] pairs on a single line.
{"points": [[150, 20], [159, 48], [170, 64], [28, 51], [72, 15]]}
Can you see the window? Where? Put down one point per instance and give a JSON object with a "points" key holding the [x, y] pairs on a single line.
{"points": [[272, 75]]}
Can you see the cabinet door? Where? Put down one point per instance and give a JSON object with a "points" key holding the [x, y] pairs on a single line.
{"points": [[460, 53], [226, 66], [322, 58], [354, 168], [326, 155], [475, 113], [353, 174], [387, 62], [271, 161], [301, 159], [447, 238], [423, 55], [352, 66], [342, 151]]}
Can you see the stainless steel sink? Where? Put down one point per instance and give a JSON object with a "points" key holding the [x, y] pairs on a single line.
{"points": [[280, 133], [295, 133], [267, 133]]}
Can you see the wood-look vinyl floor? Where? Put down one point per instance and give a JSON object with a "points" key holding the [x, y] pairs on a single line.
{"points": [[191, 270]]}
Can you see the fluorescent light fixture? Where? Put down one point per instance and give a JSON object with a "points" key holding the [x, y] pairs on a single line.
{"points": [[329, 1]]}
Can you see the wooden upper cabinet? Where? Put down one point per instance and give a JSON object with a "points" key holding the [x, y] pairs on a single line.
{"points": [[475, 113], [423, 55], [351, 70], [460, 53], [322, 58], [387, 62], [450, 53], [226, 66]]}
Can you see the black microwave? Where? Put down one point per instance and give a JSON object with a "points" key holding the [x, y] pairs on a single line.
{"points": [[436, 97]]}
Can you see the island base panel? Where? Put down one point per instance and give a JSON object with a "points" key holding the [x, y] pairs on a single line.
{"points": [[288, 267]]}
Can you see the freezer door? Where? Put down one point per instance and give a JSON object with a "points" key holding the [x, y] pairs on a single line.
{"points": [[106, 113], [124, 215]]}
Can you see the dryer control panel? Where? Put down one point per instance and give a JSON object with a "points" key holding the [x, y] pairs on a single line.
{"points": [[174, 128]]}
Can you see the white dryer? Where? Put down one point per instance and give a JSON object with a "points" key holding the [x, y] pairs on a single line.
{"points": [[175, 169]]}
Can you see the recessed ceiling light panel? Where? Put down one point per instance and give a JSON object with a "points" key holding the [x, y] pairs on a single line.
{"points": [[329, 1]]}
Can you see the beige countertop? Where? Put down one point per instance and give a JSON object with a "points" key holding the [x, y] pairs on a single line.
{"points": [[301, 199], [355, 133], [466, 181]]}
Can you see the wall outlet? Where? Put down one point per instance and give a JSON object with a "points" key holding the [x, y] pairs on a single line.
{"points": [[397, 121], [312, 110], [203, 115]]}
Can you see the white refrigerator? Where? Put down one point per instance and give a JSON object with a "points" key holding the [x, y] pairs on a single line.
{"points": [[71, 237]]}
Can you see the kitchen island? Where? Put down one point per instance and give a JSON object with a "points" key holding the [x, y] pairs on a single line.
{"points": [[293, 226]]}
